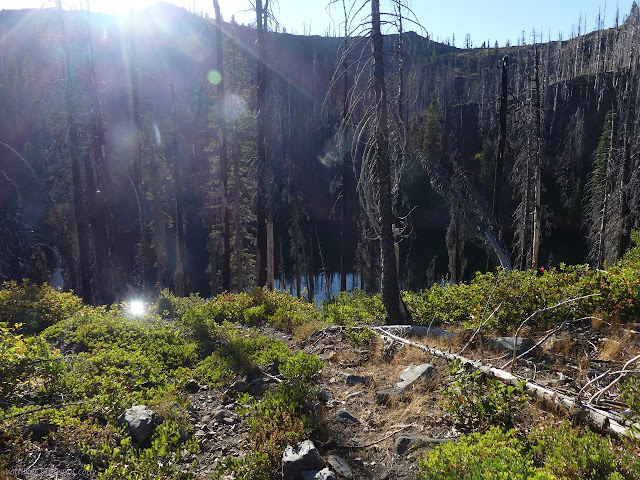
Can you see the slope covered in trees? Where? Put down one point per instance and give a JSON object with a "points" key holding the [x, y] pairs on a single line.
{"points": [[129, 156]]}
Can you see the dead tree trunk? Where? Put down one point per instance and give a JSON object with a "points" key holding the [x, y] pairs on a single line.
{"points": [[382, 177], [270, 253], [310, 267], [140, 248], [537, 172], [609, 422], [224, 163], [261, 72], [345, 156], [179, 275], [237, 214], [502, 140], [102, 220], [76, 173]]}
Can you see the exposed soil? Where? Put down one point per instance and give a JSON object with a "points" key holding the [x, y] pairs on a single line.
{"points": [[385, 441]]}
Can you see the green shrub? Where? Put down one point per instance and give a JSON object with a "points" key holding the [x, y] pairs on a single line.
{"points": [[170, 306], [29, 366], [280, 418], [164, 458], [354, 308], [493, 455], [35, 306], [477, 401], [568, 452]]}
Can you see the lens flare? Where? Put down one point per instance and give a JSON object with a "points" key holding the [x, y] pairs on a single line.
{"points": [[214, 77], [136, 308], [156, 132], [234, 106]]}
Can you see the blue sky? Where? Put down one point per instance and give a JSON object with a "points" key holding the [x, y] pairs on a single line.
{"points": [[483, 20]]}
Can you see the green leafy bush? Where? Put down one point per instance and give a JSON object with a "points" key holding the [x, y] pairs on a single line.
{"points": [[568, 452], [477, 401], [29, 366], [493, 455], [170, 306], [35, 306], [614, 294], [163, 459], [354, 308], [280, 418]]}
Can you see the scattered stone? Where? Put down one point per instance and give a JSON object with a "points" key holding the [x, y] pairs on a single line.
{"points": [[507, 343], [408, 442], [340, 466], [295, 460], [346, 417], [239, 386], [192, 386], [413, 372], [385, 397], [324, 474], [230, 420], [325, 395], [40, 430], [139, 422], [273, 368], [219, 414], [358, 379], [256, 382]]}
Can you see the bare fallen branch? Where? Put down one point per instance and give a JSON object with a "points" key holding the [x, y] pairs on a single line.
{"points": [[387, 436], [623, 373], [479, 328], [605, 421], [537, 312]]}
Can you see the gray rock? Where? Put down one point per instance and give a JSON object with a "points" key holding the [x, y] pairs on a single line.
{"points": [[295, 460], [325, 395], [408, 442], [239, 386], [192, 386], [340, 466], [413, 372], [230, 420], [385, 397], [139, 422], [358, 379], [506, 344], [219, 414], [324, 474], [346, 417]]}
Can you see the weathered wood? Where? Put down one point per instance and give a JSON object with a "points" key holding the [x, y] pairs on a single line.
{"points": [[607, 422]]}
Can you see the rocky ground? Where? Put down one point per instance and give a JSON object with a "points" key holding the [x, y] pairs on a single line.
{"points": [[378, 426], [379, 404]]}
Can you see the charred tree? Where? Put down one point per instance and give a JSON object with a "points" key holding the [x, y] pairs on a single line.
{"points": [[179, 279], [261, 199], [502, 141], [73, 144], [382, 177], [224, 162]]}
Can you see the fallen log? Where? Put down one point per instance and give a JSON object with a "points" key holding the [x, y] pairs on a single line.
{"points": [[603, 421]]}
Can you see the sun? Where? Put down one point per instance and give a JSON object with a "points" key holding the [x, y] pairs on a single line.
{"points": [[137, 308]]}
